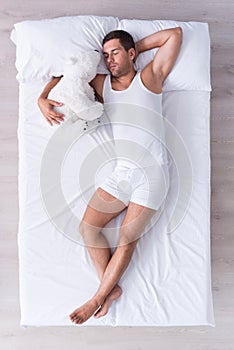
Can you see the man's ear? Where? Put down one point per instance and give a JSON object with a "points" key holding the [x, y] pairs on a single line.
{"points": [[132, 54]]}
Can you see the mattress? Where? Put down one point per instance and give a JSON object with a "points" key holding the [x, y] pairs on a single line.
{"points": [[168, 281]]}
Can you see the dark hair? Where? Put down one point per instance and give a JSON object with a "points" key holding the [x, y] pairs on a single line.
{"points": [[126, 40]]}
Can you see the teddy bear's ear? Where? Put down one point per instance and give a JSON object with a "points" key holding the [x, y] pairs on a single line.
{"points": [[93, 57]]}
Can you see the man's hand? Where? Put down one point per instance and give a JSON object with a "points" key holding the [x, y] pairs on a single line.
{"points": [[46, 107]]}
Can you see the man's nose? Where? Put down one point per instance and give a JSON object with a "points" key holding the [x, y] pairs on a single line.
{"points": [[110, 58]]}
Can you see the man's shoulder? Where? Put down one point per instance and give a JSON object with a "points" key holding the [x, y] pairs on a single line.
{"points": [[99, 78], [97, 84]]}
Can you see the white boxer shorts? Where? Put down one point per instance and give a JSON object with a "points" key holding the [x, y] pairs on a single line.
{"points": [[143, 186]]}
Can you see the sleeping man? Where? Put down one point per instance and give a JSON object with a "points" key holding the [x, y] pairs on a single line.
{"points": [[141, 88]]}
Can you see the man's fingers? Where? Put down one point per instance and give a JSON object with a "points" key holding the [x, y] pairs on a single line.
{"points": [[55, 103], [53, 119], [57, 115], [50, 123], [46, 107]]}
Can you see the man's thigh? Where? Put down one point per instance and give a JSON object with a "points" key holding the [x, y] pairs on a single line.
{"points": [[102, 208], [134, 223]]}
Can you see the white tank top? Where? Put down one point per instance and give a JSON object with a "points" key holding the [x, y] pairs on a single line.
{"points": [[117, 103]]}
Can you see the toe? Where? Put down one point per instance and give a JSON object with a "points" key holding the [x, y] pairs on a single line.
{"points": [[76, 319], [72, 316]]}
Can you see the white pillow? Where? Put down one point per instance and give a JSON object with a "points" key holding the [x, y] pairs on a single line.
{"points": [[191, 70], [44, 45]]}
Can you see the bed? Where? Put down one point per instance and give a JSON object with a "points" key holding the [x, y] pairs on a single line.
{"points": [[170, 266]]}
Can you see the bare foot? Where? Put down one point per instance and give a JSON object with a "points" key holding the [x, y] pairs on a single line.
{"points": [[84, 312], [113, 295]]}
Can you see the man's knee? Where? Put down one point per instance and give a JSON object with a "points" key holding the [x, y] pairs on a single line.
{"points": [[90, 235], [81, 228], [87, 229], [127, 239]]}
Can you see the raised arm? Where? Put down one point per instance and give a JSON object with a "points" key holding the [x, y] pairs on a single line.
{"points": [[169, 42], [46, 105]]}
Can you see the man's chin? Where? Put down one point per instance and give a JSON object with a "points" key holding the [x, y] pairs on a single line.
{"points": [[115, 74]]}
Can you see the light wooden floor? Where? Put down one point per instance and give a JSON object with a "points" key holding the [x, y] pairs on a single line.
{"points": [[219, 15]]}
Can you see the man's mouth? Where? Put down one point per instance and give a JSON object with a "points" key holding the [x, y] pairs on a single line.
{"points": [[112, 66]]}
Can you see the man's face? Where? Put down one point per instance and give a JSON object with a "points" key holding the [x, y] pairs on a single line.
{"points": [[117, 59]]}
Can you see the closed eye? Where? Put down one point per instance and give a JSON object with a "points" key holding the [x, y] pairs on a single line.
{"points": [[114, 52]]}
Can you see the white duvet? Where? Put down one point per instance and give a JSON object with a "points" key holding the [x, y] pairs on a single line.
{"points": [[168, 281]]}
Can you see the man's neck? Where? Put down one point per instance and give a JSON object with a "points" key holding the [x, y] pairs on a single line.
{"points": [[123, 81]]}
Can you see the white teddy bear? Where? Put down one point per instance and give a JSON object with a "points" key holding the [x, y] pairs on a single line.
{"points": [[74, 89]]}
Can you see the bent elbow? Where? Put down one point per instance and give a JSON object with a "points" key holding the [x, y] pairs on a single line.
{"points": [[179, 30], [179, 34]]}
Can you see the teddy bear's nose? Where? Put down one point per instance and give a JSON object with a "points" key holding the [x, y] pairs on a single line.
{"points": [[96, 50]]}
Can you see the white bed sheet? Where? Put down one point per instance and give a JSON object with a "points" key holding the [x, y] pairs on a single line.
{"points": [[168, 281]]}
